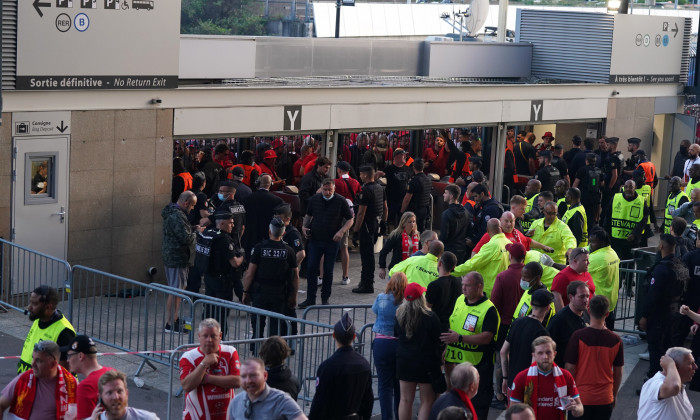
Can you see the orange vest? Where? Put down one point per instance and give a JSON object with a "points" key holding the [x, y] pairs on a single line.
{"points": [[187, 179], [247, 170], [465, 169], [649, 172]]}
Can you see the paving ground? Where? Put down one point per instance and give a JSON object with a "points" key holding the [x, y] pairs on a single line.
{"points": [[153, 395]]}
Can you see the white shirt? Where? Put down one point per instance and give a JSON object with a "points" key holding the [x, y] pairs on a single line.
{"points": [[688, 164], [674, 408]]}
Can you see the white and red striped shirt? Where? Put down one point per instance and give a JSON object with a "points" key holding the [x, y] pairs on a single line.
{"points": [[209, 402]]}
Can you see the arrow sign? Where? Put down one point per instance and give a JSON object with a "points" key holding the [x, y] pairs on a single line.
{"points": [[62, 128], [38, 5], [675, 30]]}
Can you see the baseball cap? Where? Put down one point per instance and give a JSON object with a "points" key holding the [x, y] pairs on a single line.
{"points": [[413, 291], [640, 152], [382, 144], [269, 154], [343, 166], [541, 298], [344, 329], [81, 344], [516, 250], [238, 171]]}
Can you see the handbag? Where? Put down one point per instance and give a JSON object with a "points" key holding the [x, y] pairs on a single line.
{"points": [[437, 380]]}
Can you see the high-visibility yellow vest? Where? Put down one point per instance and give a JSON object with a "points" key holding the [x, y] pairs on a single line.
{"points": [[691, 186], [469, 320], [569, 214], [559, 203], [531, 202], [645, 191], [524, 308], [625, 215], [37, 334], [671, 206]]}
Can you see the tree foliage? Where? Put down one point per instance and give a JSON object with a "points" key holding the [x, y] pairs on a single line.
{"points": [[222, 17]]}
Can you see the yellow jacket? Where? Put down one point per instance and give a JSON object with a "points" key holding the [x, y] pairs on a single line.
{"points": [[421, 269], [491, 259], [557, 236]]}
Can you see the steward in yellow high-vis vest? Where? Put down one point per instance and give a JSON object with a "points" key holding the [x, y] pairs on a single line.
{"points": [[49, 324], [575, 217], [554, 233], [625, 220], [531, 281], [472, 336], [675, 199], [421, 269], [491, 259]]}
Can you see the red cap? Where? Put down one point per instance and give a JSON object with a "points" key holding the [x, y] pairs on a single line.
{"points": [[517, 250], [413, 291], [548, 134], [269, 154]]}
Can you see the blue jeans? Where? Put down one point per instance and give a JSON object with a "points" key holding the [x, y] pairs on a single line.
{"points": [[317, 249], [384, 352]]}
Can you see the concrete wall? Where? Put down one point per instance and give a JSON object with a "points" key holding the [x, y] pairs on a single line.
{"points": [[5, 174], [632, 117], [120, 179]]}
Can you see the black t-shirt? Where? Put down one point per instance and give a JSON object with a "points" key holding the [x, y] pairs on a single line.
{"points": [[396, 182], [274, 260], [238, 211], [222, 250], [561, 327], [611, 164], [587, 185], [442, 294], [292, 237], [195, 216], [545, 176], [520, 336], [523, 152]]}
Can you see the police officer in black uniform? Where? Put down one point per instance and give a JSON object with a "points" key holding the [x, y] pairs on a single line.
{"points": [[612, 171], [272, 279], [292, 237], [667, 284], [231, 205], [372, 212], [631, 163], [219, 256], [589, 180], [548, 174]]}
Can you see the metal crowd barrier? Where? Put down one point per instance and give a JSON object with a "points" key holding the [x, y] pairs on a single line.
{"points": [[126, 314], [23, 270], [322, 343]]}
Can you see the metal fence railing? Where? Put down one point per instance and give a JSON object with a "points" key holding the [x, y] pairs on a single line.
{"points": [[308, 344], [129, 315], [23, 269]]}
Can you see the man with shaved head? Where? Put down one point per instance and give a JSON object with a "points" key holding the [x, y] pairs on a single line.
{"points": [[553, 233], [491, 259], [513, 235], [676, 198], [421, 269]]}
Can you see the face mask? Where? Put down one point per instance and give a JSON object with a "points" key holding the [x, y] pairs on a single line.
{"points": [[524, 284], [221, 196], [327, 198]]}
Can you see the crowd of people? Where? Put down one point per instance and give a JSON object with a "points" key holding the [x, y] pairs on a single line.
{"points": [[506, 305]]}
